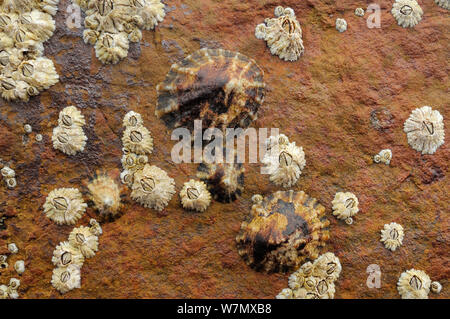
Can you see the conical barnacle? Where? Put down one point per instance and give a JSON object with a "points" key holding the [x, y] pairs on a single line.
{"points": [[132, 119], [133, 162], [13, 286], [436, 287], [64, 206], [151, 11], [195, 196], [345, 205], [105, 195], [39, 23], [384, 157], [359, 12], [341, 25], [414, 284], [137, 140], [90, 36], [66, 278], [327, 266], [112, 47], [95, 227], [284, 162], [283, 34], [425, 130], [65, 255], [224, 89], [49, 6], [4, 292], [408, 13], [443, 3], [69, 141], [152, 187], [392, 236], [127, 177], [39, 73], [225, 181], [70, 116], [83, 239], [282, 231], [15, 90], [286, 293]]}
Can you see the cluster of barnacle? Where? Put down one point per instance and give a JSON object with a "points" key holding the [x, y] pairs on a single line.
{"points": [[11, 291], [69, 256], [112, 24], [416, 284], [384, 156], [314, 280], [68, 136], [345, 206], [283, 160], [9, 176], [24, 26]]}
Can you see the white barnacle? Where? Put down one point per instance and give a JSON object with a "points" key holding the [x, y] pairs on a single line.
{"points": [[70, 117], [133, 119], [66, 278], [111, 48], [133, 162], [436, 287], [13, 248], [286, 293], [443, 4], [152, 187], [19, 266], [425, 130], [11, 182], [64, 206], [65, 255], [137, 140], [384, 156], [341, 25], [83, 239], [345, 205], [392, 236], [27, 128], [127, 177], [69, 141], [195, 196], [8, 172], [414, 284], [95, 227], [359, 12], [39, 73], [4, 292], [408, 13], [13, 286]]}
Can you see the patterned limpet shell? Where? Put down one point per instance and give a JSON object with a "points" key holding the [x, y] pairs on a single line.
{"points": [[392, 236], [137, 140], [64, 206], [414, 284], [104, 193], [408, 13], [345, 205], [443, 3], [132, 119], [425, 130], [70, 116], [133, 162], [66, 279], [283, 34], [195, 196], [152, 187], [384, 157], [225, 181], [69, 141], [83, 239], [65, 255], [282, 231], [224, 89]]}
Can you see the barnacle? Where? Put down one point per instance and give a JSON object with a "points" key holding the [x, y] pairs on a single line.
{"points": [[345, 205], [384, 157], [111, 48], [133, 162], [70, 117], [65, 255], [8, 172], [69, 141], [436, 287], [283, 34], [152, 187], [392, 236], [66, 279], [13, 248], [64, 206], [359, 12], [137, 140], [132, 119], [195, 196], [284, 161], [443, 3], [425, 130], [282, 231], [4, 292], [408, 13], [414, 284], [341, 25], [19, 266], [286, 293], [127, 177], [224, 89], [105, 195], [83, 239], [95, 227], [13, 286]]}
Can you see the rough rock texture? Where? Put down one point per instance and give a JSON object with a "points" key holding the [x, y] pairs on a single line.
{"points": [[345, 99]]}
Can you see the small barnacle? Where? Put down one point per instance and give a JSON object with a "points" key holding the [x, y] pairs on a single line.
{"points": [[152, 187], [39, 73], [345, 205], [392, 236], [341, 25], [8, 172], [436, 287], [127, 177], [70, 117], [286, 293], [105, 195], [282, 231], [11, 182], [443, 3], [137, 140], [111, 48], [27, 128], [66, 279], [195, 196], [83, 239], [133, 162], [95, 227], [90, 36], [283, 34], [14, 284], [64, 206], [69, 141], [408, 13], [425, 130], [65, 255], [38, 137], [19, 266], [133, 119], [384, 157], [4, 292], [414, 284], [224, 89], [151, 12], [13, 248], [3, 258], [359, 12]]}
